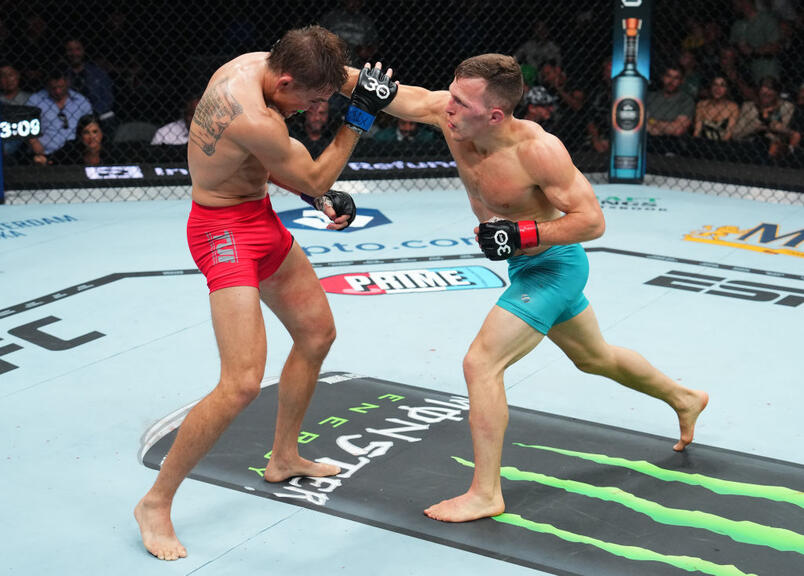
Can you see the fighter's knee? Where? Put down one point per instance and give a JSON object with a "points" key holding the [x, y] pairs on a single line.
{"points": [[475, 364], [599, 365], [320, 341], [241, 389]]}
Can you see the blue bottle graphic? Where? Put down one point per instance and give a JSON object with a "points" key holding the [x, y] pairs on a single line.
{"points": [[629, 89]]}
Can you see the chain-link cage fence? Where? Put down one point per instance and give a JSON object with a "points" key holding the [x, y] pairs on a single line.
{"points": [[725, 101]]}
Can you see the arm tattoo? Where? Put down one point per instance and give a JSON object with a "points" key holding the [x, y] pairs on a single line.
{"points": [[216, 110]]}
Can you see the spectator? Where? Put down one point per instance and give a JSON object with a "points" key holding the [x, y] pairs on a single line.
{"points": [[404, 131], [757, 36], [766, 121], [729, 68], [88, 148], [10, 92], [92, 81], [569, 122], [670, 110], [34, 44], [61, 108], [692, 77], [555, 80], [709, 52], [315, 132], [716, 116], [534, 53], [783, 9], [356, 28], [540, 108], [797, 127], [695, 36], [118, 43], [598, 125], [177, 133]]}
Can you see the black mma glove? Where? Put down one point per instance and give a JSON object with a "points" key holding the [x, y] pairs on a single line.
{"points": [[499, 239], [341, 202], [373, 92]]}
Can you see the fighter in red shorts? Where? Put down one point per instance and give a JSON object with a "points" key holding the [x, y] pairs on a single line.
{"points": [[238, 142]]}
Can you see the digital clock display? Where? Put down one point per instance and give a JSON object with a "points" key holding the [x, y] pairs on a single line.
{"points": [[19, 122]]}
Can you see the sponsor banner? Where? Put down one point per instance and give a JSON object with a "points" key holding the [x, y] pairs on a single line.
{"points": [[765, 237], [312, 219], [410, 281], [581, 498], [721, 286], [113, 172]]}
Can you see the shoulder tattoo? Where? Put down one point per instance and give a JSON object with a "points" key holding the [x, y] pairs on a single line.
{"points": [[216, 110]]}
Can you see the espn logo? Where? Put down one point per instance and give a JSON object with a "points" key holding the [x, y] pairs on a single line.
{"points": [[719, 286]]}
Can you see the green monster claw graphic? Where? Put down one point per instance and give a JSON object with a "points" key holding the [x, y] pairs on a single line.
{"points": [[743, 531], [726, 487], [688, 563]]}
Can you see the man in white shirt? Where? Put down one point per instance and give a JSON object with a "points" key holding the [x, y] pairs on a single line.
{"points": [[176, 133]]}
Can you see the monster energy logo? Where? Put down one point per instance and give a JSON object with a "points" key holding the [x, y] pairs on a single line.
{"points": [[644, 511], [740, 531]]}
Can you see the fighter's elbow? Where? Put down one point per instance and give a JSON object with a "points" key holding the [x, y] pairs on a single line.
{"points": [[596, 228]]}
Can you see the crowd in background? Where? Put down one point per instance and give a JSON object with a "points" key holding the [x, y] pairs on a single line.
{"points": [[727, 84]]}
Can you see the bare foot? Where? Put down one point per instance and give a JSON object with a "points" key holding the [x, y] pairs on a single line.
{"points": [[688, 416], [157, 532], [466, 507], [277, 471]]}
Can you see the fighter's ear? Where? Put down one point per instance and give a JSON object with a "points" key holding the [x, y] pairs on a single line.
{"points": [[284, 81], [497, 116]]}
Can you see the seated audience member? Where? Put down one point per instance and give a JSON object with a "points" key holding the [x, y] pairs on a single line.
{"points": [[314, 130], [670, 110], [61, 108], [404, 131], [88, 148], [569, 119], [797, 125], [693, 83], [540, 107], [92, 81], [729, 67], [716, 116], [10, 92], [553, 77], [177, 133], [767, 120]]}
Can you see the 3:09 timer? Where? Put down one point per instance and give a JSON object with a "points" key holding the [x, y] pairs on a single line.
{"points": [[22, 129]]}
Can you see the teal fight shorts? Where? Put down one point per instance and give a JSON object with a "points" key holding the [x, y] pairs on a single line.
{"points": [[547, 288]]}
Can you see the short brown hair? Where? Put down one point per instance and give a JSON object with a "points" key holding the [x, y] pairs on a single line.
{"points": [[502, 74], [314, 56]]}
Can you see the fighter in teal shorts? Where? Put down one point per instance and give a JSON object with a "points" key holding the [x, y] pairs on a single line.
{"points": [[534, 208], [547, 288]]}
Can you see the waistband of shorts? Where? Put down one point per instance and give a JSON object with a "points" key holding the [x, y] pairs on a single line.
{"points": [[557, 249], [242, 209]]}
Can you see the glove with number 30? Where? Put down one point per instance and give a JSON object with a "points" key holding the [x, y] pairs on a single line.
{"points": [[499, 239], [373, 92]]}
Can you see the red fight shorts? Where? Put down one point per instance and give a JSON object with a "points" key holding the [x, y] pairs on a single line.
{"points": [[237, 245]]}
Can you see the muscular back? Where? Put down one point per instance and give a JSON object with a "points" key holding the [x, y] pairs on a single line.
{"points": [[223, 171]]}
